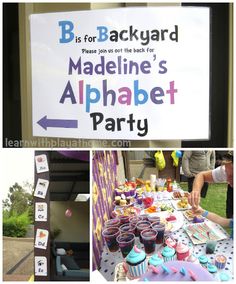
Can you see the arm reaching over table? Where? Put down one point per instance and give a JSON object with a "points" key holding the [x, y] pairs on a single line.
{"points": [[224, 222], [194, 197]]}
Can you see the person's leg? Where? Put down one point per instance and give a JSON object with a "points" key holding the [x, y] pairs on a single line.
{"points": [[190, 184], [229, 202], [204, 189]]}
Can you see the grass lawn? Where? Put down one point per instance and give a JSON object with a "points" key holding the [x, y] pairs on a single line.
{"points": [[215, 200]]}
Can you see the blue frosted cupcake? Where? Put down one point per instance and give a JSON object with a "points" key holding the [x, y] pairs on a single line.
{"points": [[136, 262], [155, 260], [168, 253], [203, 260], [211, 268]]}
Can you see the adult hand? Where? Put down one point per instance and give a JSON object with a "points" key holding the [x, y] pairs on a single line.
{"points": [[194, 199]]}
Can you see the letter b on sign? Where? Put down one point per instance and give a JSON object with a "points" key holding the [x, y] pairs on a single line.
{"points": [[67, 34]]}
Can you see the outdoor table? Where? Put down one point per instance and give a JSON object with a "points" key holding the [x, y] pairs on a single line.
{"points": [[110, 260]]}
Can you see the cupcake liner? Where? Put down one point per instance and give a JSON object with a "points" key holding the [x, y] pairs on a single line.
{"points": [[182, 256], [220, 265], [137, 270], [168, 258]]}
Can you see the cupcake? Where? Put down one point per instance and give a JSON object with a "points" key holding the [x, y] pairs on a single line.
{"points": [[123, 202], [193, 259], [171, 242], [220, 261], [168, 253], [182, 251], [203, 260], [136, 262], [117, 200], [211, 268], [155, 260], [128, 199]]}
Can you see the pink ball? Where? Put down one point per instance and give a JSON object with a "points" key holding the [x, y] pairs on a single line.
{"points": [[68, 213]]}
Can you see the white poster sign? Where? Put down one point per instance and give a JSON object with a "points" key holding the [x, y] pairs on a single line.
{"points": [[41, 188], [41, 239], [41, 163], [41, 211], [130, 73], [40, 265]]}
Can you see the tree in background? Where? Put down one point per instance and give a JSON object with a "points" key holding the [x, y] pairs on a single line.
{"points": [[19, 200], [18, 210]]}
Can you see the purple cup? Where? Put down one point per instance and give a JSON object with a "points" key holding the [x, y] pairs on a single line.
{"points": [[112, 223], [110, 234], [126, 243], [132, 191], [123, 219], [134, 221], [154, 219], [142, 225], [139, 200], [143, 217], [149, 240], [128, 227], [118, 192], [160, 228], [127, 193]]}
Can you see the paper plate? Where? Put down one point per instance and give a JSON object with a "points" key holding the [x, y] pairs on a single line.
{"points": [[175, 205]]}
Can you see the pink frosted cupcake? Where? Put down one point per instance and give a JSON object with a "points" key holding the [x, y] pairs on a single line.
{"points": [[182, 251]]}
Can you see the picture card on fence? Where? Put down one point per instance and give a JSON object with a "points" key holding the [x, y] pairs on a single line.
{"points": [[41, 163], [41, 210], [40, 265], [41, 188], [41, 239]]}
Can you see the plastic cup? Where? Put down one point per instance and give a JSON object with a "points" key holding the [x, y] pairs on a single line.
{"points": [[160, 229], [126, 243], [112, 223], [134, 221], [140, 200], [149, 240], [210, 247], [124, 219], [110, 234], [128, 227], [143, 217], [154, 219], [142, 225]]}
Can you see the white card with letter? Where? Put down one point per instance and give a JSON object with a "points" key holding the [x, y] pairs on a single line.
{"points": [[41, 239], [41, 188], [41, 163], [40, 265], [41, 210]]}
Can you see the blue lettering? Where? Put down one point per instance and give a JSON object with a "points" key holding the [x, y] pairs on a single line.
{"points": [[66, 31], [137, 93], [89, 100], [102, 33]]}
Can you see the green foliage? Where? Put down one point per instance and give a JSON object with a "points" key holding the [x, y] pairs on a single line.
{"points": [[20, 200], [16, 226], [215, 200]]}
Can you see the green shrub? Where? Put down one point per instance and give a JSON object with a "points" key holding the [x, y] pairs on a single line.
{"points": [[16, 226]]}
